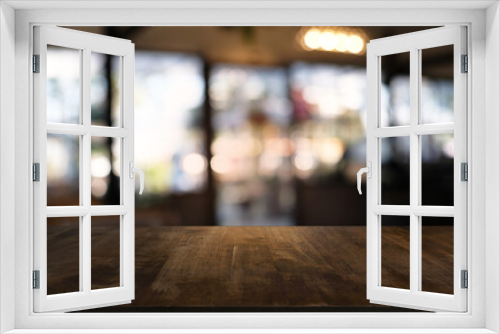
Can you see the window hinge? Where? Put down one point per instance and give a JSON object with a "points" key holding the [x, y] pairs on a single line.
{"points": [[465, 64], [36, 172], [464, 171], [36, 63], [465, 279], [36, 279]]}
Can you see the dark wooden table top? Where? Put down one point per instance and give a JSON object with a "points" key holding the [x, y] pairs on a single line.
{"points": [[253, 268]]}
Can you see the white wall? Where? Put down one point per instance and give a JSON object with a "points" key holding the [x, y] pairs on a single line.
{"points": [[492, 165], [284, 17], [7, 160]]}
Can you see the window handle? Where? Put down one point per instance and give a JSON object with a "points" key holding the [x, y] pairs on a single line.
{"points": [[133, 171], [368, 171]]}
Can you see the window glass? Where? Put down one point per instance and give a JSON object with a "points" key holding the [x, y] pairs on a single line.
{"points": [[105, 92], [63, 170], [63, 255], [437, 254], [395, 246], [105, 163], [395, 170], [63, 85], [395, 103], [437, 169], [105, 250], [436, 100]]}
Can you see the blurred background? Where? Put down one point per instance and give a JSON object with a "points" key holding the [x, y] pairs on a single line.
{"points": [[251, 125]]}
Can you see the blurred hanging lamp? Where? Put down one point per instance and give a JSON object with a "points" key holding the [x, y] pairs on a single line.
{"points": [[333, 39]]}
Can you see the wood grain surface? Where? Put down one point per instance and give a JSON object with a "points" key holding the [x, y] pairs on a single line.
{"points": [[250, 267]]}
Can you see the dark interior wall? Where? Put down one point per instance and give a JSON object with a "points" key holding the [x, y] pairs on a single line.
{"points": [[241, 45]]}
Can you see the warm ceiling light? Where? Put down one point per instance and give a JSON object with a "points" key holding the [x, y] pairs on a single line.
{"points": [[341, 43], [328, 41], [355, 44], [312, 39], [333, 39]]}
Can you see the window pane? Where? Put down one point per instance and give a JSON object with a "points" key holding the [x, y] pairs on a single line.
{"points": [[105, 89], [437, 85], [105, 170], [437, 169], [63, 255], [63, 155], [395, 102], [395, 251], [63, 85], [395, 170], [437, 254], [105, 236]]}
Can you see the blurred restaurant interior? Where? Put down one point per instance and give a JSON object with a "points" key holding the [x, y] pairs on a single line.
{"points": [[253, 127]]}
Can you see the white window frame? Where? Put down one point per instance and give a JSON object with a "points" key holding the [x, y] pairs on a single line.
{"points": [[414, 44], [84, 131], [483, 314]]}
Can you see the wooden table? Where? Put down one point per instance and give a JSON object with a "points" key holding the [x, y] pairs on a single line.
{"points": [[258, 268]]}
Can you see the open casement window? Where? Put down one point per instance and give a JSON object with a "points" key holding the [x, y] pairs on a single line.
{"points": [[414, 131], [83, 170]]}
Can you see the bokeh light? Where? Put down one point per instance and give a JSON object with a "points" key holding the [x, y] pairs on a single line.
{"points": [[333, 39], [312, 39], [328, 41], [194, 164]]}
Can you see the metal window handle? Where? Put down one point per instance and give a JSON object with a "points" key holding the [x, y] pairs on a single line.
{"points": [[133, 171], [368, 171]]}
